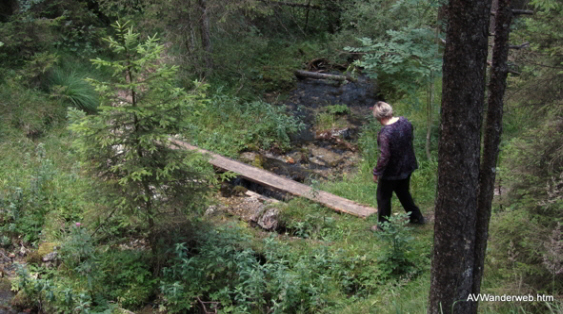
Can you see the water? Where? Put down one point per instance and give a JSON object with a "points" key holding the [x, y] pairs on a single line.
{"points": [[318, 155]]}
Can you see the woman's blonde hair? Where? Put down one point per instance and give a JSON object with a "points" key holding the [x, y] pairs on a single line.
{"points": [[382, 110]]}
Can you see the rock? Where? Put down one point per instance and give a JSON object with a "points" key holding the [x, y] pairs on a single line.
{"points": [[298, 157], [50, 257], [250, 209], [214, 210], [211, 210], [269, 219], [328, 157], [247, 157]]}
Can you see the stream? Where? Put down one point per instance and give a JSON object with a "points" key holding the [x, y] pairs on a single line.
{"points": [[323, 150]]}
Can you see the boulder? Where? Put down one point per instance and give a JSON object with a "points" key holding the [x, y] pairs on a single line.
{"points": [[325, 156], [50, 257], [269, 220]]}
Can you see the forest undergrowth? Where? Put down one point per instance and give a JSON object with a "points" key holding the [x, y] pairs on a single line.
{"points": [[111, 257]]}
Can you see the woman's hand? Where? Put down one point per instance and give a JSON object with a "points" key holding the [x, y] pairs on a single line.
{"points": [[375, 178]]}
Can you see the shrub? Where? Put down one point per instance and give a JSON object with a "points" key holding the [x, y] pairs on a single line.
{"points": [[394, 255], [23, 207], [71, 87], [223, 269]]}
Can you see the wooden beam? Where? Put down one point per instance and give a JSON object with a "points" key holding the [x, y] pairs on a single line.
{"points": [[271, 180]]}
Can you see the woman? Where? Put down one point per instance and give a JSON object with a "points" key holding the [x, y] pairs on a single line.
{"points": [[395, 165]]}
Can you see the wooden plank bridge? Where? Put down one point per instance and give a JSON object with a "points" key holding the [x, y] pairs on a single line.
{"points": [[269, 179]]}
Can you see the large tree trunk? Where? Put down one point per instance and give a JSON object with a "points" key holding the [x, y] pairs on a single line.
{"points": [[463, 91], [493, 131], [7, 8], [206, 37]]}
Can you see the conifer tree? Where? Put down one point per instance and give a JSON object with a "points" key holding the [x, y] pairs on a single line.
{"points": [[127, 143]]}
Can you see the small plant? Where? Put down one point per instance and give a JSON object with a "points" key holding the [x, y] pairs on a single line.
{"points": [[78, 249], [23, 210], [395, 261], [338, 109], [324, 121]]}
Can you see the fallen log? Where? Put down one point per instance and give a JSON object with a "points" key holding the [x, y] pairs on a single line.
{"points": [[276, 182], [324, 76]]}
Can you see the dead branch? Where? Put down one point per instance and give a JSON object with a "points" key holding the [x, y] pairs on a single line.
{"points": [[297, 5], [325, 76], [522, 12], [213, 306]]}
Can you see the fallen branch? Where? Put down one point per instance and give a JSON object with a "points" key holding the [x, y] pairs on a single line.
{"points": [[213, 305], [517, 47], [316, 75], [522, 12], [298, 5], [331, 137]]}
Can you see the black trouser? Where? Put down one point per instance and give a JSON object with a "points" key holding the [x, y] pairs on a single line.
{"points": [[385, 189]]}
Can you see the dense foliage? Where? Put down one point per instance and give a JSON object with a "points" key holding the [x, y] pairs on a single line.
{"points": [[87, 171]]}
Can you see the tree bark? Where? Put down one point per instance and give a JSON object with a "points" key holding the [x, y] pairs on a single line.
{"points": [[493, 131], [7, 8], [463, 92], [206, 38]]}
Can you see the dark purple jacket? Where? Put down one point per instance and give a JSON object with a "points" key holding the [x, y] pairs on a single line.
{"points": [[397, 160]]}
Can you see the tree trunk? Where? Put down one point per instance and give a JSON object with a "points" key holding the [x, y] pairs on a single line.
{"points": [[463, 92], [7, 8], [493, 131], [206, 38], [307, 17]]}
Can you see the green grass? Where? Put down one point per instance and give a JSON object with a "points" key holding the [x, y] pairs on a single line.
{"points": [[69, 86], [228, 125]]}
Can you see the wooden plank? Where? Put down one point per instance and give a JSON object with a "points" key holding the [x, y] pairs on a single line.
{"points": [[269, 179]]}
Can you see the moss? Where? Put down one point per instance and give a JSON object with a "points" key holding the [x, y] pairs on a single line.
{"points": [[34, 258], [275, 79], [46, 248], [5, 284], [22, 301]]}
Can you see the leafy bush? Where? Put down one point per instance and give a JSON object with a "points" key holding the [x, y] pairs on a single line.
{"points": [[395, 254], [223, 270], [406, 60], [89, 279], [23, 207]]}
